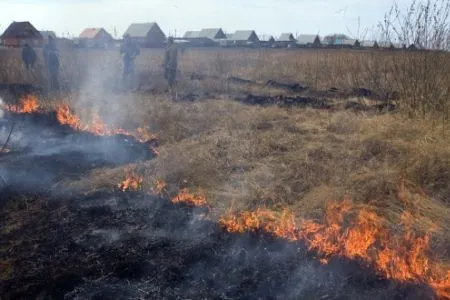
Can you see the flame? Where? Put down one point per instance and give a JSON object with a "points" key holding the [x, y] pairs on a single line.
{"points": [[143, 135], [159, 187], [27, 105], [353, 233], [185, 196], [65, 117], [98, 127], [132, 182]]}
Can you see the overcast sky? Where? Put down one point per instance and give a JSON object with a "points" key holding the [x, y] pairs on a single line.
{"points": [[265, 16]]}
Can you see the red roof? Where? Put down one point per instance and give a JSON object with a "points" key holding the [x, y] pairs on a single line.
{"points": [[90, 33]]}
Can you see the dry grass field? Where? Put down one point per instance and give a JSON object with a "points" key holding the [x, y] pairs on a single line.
{"points": [[252, 156], [246, 157]]}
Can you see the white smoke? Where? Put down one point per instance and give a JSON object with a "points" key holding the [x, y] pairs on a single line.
{"points": [[2, 112]]}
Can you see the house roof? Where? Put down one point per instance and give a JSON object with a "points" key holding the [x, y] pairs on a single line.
{"points": [[243, 35], [90, 33], [304, 39], [286, 37], [192, 34], [21, 30], [211, 33], [369, 43], [140, 29], [266, 38], [46, 33], [349, 42]]}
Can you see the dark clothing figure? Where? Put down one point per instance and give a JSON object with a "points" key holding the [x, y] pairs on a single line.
{"points": [[51, 58], [129, 50], [171, 63], [28, 56]]}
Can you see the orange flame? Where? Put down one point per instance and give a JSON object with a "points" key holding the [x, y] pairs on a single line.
{"points": [[190, 199], [354, 234], [27, 105], [98, 127], [132, 182], [143, 135], [159, 187], [65, 117]]}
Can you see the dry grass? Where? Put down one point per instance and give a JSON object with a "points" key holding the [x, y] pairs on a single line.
{"points": [[247, 157], [420, 79]]}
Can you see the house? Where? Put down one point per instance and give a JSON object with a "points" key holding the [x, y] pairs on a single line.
{"points": [[146, 34], [335, 39], [95, 38], [213, 33], [208, 37], [267, 40], [245, 38], [370, 44], [308, 41], [19, 33], [46, 34], [346, 43], [286, 40], [351, 43], [191, 34], [64, 43], [210, 33], [201, 42]]}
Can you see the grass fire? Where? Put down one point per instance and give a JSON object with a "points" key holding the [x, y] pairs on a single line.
{"points": [[221, 165], [132, 182]]}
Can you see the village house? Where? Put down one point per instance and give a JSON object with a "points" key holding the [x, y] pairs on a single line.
{"points": [[19, 33], [308, 41], [46, 34], [334, 39], [208, 37], [286, 40], [146, 34], [350, 43], [370, 44], [191, 35], [95, 38], [213, 33], [244, 38], [267, 40]]}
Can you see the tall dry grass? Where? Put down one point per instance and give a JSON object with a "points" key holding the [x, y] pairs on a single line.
{"points": [[419, 80]]}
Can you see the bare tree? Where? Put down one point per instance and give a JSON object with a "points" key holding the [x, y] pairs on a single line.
{"points": [[424, 24]]}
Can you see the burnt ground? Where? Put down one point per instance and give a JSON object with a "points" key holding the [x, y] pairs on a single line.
{"points": [[43, 153], [114, 245]]}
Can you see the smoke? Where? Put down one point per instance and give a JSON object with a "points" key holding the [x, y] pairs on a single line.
{"points": [[99, 88], [2, 112]]}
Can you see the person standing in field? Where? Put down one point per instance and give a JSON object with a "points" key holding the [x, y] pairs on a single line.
{"points": [[170, 66], [129, 51], [28, 56], [51, 58]]}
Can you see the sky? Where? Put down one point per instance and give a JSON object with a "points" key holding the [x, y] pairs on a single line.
{"points": [[70, 17]]}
